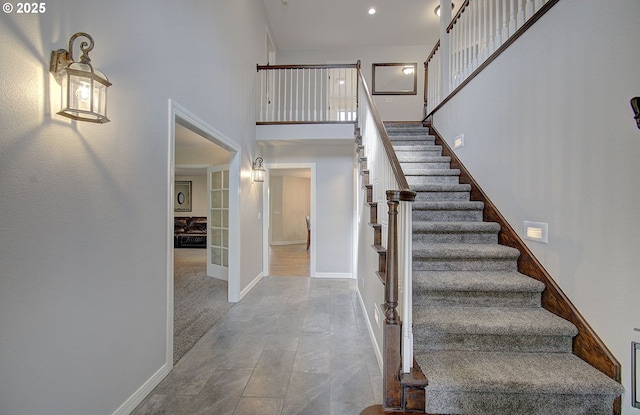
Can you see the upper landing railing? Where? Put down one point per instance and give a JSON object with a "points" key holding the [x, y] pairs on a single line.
{"points": [[290, 94], [477, 34]]}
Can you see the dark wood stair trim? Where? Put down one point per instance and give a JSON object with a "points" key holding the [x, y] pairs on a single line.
{"points": [[587, 345]]}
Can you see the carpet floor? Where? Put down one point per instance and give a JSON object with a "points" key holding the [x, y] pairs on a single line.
{"points": [[198, 301]]}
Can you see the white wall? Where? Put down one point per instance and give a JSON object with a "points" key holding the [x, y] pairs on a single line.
{"points": [[290, 199], [391, 107], [334, 200], [83, 286], [550, 136]]}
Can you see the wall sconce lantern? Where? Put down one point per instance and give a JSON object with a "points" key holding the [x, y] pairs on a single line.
{"points": [[84, 88], [258, 172], [635, 106]]}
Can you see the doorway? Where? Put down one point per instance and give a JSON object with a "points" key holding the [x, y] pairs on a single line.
{"points": [[193, 148], [289, 238]]}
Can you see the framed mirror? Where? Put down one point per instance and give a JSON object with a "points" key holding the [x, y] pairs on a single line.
{"points": [[394, 78]]}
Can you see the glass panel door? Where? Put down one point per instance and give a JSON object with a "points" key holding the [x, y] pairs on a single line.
{"points": [[218, 222]]}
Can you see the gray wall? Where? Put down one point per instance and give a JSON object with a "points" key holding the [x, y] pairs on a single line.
{"points": [[550, 136], [334, 201], [84, 294]]}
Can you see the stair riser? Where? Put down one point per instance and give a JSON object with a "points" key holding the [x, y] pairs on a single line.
{"points": [[394, 131], [414, 180], [447, 215], [402, 141], [467, 237], [427, 340], [442, 196], [413, 157], [470, 264], [453, 402], [474, 299], [424, 165], [425, 151]]}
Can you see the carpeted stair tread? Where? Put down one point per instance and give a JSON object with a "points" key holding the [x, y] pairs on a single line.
{"points": [[417, 147], [515, 373], [407, 136], [454, 227], [428, 159], [441, 188], [448, 205], [491, 320], [419, 156], [431, 172], [458, 251], [498, 281], [455, 231]]}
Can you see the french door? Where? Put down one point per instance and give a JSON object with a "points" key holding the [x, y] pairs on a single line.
{"points": [[218, 222]]}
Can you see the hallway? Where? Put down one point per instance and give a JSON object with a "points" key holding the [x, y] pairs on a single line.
{"points": [[289, 261], [291, 346]]}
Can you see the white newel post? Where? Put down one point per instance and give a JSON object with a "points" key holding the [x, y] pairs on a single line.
{"points": [[404, 270]]}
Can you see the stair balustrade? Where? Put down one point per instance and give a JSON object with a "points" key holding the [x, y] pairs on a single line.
{"points": [[385, 183], [306, 94], [477, 34]]}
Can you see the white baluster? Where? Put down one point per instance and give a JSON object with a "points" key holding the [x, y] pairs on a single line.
{"points": [[483, 30], [492, 45], [520, 18], [474, 32], [528, 11], [505, 24], [470, 33], [539, 4], [314, 110], [283, 86], [499, 39], [512, 17], [454, 55]]}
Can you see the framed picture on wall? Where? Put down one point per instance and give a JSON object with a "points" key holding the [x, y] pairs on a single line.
{"points": [[182, 200]]}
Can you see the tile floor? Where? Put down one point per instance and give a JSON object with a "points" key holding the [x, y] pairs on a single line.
{"points": [[291, 346]]}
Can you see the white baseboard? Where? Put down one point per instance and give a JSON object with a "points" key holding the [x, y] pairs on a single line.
{"points": [[134, 400], [372, 336], [249, 287], [338, 275]]}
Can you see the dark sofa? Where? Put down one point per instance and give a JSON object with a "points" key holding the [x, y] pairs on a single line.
{"points": [[190, 232]]}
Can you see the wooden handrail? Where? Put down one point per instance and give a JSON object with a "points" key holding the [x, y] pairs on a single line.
{"points": [[433, 52], [315, 66], [457, 16], [391, 154]]}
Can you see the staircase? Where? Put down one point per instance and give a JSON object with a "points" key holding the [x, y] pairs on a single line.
{"points": [[481, 337]]}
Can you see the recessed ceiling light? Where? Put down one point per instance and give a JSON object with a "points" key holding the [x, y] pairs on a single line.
{"points": [[372, 10]]}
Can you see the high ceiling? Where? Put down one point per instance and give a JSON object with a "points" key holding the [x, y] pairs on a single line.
{"points": [[326, 24]]}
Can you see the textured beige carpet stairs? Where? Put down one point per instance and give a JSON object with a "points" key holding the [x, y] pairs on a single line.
{"points": [[481, 336]]}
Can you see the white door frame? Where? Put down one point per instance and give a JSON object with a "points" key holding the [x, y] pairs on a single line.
{"points": [[179, 113], [266, 214]]}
